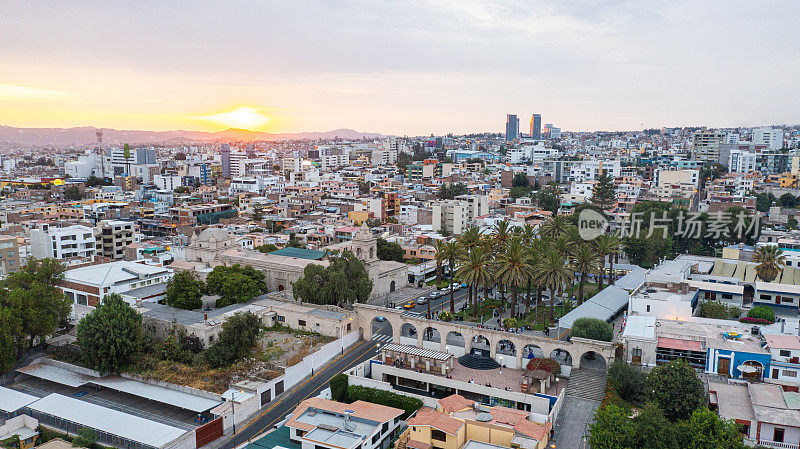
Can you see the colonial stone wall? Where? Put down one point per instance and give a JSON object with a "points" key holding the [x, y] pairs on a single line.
{"points": [[576, 347]]}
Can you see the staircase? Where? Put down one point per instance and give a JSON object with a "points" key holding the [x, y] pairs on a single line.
{"points": [[476, 362], [587, 384]]}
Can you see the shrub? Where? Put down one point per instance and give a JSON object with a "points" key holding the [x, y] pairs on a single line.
{"points": [[509, 323], [238, 336], [85, 438], [408, 404], [629, 382], [339, 385], [718, 310], [749, 320], [549, 365], [593, 329], [445, 316], [762, 312]]}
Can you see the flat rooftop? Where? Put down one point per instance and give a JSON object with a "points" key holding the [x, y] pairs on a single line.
{"points": [[712, 334]]}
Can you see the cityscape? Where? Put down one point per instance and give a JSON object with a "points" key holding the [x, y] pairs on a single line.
{"points": [[421, 225]]}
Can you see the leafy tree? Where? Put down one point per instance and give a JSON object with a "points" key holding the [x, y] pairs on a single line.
{"points": [[234, 284], [295, 243], [710, 172], [718, 310], [343, 281], [258, 212], [363, 188], [612, 428], [513, 267], [390, 251], [182, 190], [339, 385], [111, 335], [764, 201], [73, 193], [520, 180], [547, 201], [239, 335], [592, 328], [266, 248], [762, 312], [604, 194], [706, 429], [86, 438], [770, 260], [184, 291], [518, 192], [584, 261], [629, 382], [676, 389], [181, 156], [787, 200], [450, 191], [32, 307], [551, 272], [653, 430], [94, 181]]}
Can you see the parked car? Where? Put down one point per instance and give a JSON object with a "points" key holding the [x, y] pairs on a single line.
{"points": [[456, 285], [422, 300], [434, 295], [409, 305]]}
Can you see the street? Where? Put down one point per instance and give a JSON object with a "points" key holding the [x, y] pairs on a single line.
{"points": [[311, 387]]}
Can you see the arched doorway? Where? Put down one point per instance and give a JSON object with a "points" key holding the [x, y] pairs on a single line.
{"points": [[752, 370], [562, 356], [506, 353], [281, 287], [480, 346], [592, 360], [392, 286], [431, 339], [455, 344], [408, 334], [532, 352], [381, 330]]}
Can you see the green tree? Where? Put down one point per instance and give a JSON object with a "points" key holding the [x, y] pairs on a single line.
{"points": [[451, 252], [629, 382], [339, 385], [239, 335], [764, 201], [450, 191], [234, 284], [676, 389], [86, 438], [32, 306], [343, 281], [762, 312], [258, 212], [514, 266], [73, 193], [182, 190], [390, 251], [520, 180], [592, 328], [584, 262], [474, 270], [517, 192], [266, 248], [770, 260], [126, 153], [706, 429], [551, 272], [787, 200], [612, 428], [184, 291], [110, 335], [607, 245], [363, 188], [604, 194]]}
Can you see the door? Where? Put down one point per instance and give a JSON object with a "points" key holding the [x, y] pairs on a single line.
{"points": [[724, 367]]}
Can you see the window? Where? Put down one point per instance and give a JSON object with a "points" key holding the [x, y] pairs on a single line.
{"points": [[376, 437], [281, 318], [775, 373], [636, 355], [301, 322], [777, 436], [789, 373], [786, 353], [766, 297], [438, 435], [648, 307], [385, 427], [727, 296]]}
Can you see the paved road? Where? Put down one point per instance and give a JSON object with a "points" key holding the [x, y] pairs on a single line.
{"points": [[573, 421], [311, 387]]}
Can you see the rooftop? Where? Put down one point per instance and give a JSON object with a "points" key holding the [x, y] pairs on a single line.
{"points": [[300, 253]]}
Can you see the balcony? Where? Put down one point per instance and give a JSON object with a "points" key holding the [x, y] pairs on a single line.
{"points": [[777, 445]]}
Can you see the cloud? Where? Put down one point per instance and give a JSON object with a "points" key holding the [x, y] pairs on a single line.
{"points": [[13, 90]]}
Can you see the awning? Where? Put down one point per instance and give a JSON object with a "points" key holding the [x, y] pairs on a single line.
{"points": [[680, 345]]}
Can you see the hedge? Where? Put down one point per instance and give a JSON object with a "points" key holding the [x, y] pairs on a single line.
{"points": [[339, 385], [383, 397], [749, 320], [593, 329], [762, 312]]}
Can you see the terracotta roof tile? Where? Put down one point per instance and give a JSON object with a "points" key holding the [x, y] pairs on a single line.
{"points": [[360, 409], [455, 403], [414, 444], [437, 420], [534, 430]]}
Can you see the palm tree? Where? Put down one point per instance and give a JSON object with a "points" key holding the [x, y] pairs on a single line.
{"points": [[475, 271], [537, 249], [451, 252], [501, 232], [528, 236], [771, 261], [439, 259], [554, 227], [470, 238], [513, 267], [607, 245], [585, 261], [553, 273]]}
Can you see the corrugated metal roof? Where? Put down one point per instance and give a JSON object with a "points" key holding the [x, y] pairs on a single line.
{"points": [[56, 374], [104, 419], [164, 395], [13, 400]]}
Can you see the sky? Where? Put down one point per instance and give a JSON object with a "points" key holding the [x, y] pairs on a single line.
{"points": [[405, 67]]}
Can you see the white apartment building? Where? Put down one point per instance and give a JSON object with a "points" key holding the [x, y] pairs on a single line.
{"points": [[333, 161], [676, 183], [453, 216], [591, 170], [583, 189], [167, 182], [383, 156], [741, 161], [63, 243], [135, 281], [246, 185], [772, 137]]}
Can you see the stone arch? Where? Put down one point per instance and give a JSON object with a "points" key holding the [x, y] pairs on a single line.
{"points": [[592, 360], [756, 375], [358, 253], [532, 351], [562, 356], [381, 330], [392, 286], [408, 334], [480, 345], [455, 343], [432, 334], [371, 253], [281, 287], [506, 347]]}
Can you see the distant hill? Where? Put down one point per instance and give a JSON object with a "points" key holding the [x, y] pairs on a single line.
{"points": [[12, 137]]}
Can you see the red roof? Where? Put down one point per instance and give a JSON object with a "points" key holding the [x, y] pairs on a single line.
{"points": [[681, 345]]}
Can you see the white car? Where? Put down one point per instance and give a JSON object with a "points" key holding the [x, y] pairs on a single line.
{"points": [[456, 285], [434, 295], [422, 300]]}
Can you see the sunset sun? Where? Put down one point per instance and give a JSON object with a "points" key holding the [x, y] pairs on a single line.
{"points": [[244, 117]]}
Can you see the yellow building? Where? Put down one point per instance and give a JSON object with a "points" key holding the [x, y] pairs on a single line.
{"points": [[458, 422], [359, 216], [788, 180]]}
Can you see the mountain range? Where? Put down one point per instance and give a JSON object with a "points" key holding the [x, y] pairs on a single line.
{"points": [[17, 137]]}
